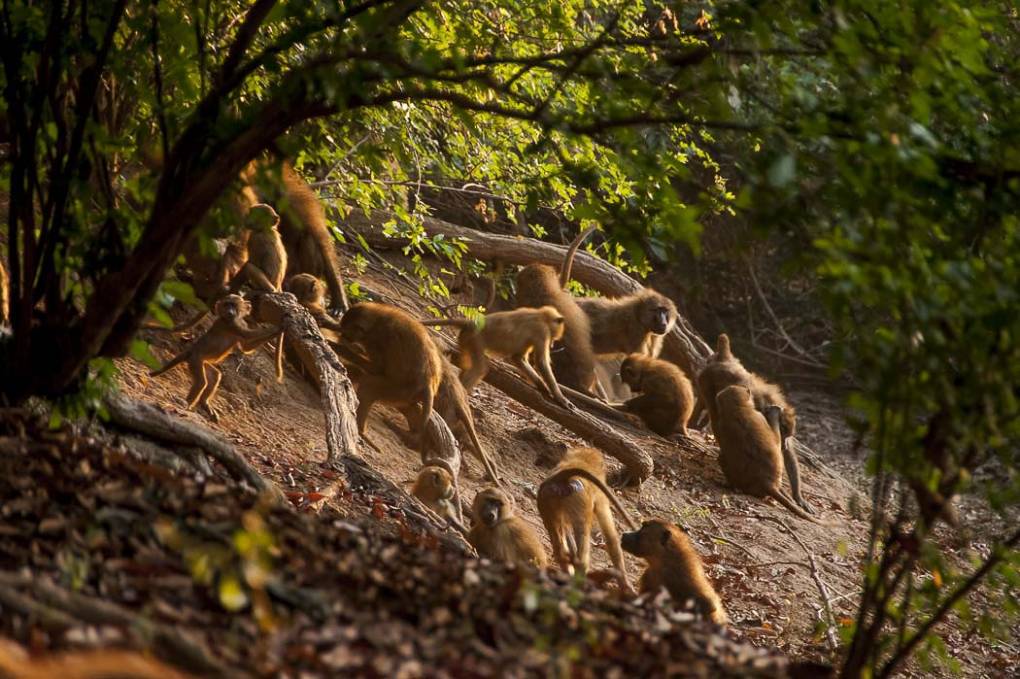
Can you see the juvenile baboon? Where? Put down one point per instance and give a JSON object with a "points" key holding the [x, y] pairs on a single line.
{"points": [[229, 332], [673, 564], [407, 366], [311, 294], [722, 370], [498, 534], [303, 226], [628, 325], [436, 486], [540, 285], [666, 397], [266, 261], [516, 335], [749, 446], [569, 498]]}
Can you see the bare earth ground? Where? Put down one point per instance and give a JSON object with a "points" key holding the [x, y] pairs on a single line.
{"points": [[761, 571]]}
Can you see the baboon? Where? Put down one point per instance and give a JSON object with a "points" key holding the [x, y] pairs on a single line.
{"points": [[229, 332], [499, 534], [569, 498], [749, 447], [266, 261], [436, 486], [540, 285], [311, 294], [516, 335], [666, 397], [633, 324], [303, 226], [407, 366], [673, 564], [722, 370]]}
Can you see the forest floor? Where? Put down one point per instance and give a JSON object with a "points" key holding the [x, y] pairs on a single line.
{"points": [[776, 573]]}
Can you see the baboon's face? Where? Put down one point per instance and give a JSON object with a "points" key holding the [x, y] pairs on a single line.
{"points": [[440, 482], [233, 307], [660, 317], [262, 217], [648, 540], [559, 326], [356, 323], [628, 373], [492, 506], [307, 288]]}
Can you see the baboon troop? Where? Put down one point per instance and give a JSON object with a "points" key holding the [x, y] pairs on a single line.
{"points": [[551, 337], [673, 564], [665, 396]]}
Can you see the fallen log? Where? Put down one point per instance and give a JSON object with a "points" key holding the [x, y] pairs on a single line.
{"points": [[683, 345]]}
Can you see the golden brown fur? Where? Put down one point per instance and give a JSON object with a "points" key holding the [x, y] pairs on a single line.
{"points": [[516, 335], [303, 225], [311, 294], [569, 499], [102, 663], [498, 534], [722, 370], [540, 285], [229, 332], [5, 294], [266, 261], [750, 447], [408, 366], [436, 486], [673, 564], [666, 396], [633, 324]]}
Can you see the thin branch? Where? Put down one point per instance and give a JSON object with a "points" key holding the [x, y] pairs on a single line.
{"points": [[807, 358], [245, 36], [157, 75], [999, 553]]}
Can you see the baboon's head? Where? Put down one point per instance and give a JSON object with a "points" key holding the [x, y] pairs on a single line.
{"points": [[307, 288], [649, 541], [557, 324], [232, 307], [491, 506], [434, 483], [262, 217], [359, 320], [658, 313], [630, 371]]}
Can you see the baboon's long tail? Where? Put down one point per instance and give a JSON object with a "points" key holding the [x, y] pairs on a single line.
{"points": [[179, 358], [787, 502]]}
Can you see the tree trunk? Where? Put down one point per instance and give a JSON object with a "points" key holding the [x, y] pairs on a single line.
{"points": [[683, 345]]}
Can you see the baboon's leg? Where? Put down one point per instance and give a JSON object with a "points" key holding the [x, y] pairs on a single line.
{"points": [[793, 473], [604, 515], [545, 364], [198, 382], [529, 374], [479, 366], [214, 376], [582, 542]]}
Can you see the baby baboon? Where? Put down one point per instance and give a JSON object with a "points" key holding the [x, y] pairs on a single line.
{"points": [[311, 294], [666, 396], [266, 261], [229, 332], [673, 564], [303, 226], [516, 335], [633, 324], [407, 366], [722, 370], [498, 534], [749, 447], [539, 285], [436, 487], [569, 497]]}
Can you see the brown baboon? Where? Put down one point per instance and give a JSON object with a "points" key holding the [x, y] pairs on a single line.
{"points": [[303, 226], [749, 446], [229, 332], [633, 324], [516, 335], [311, 294], [569, 498], [722, 370], [498, 534], [673, 564], [407, 365], [540, 285], [666, 397], [436, 486], [266, 261]]}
